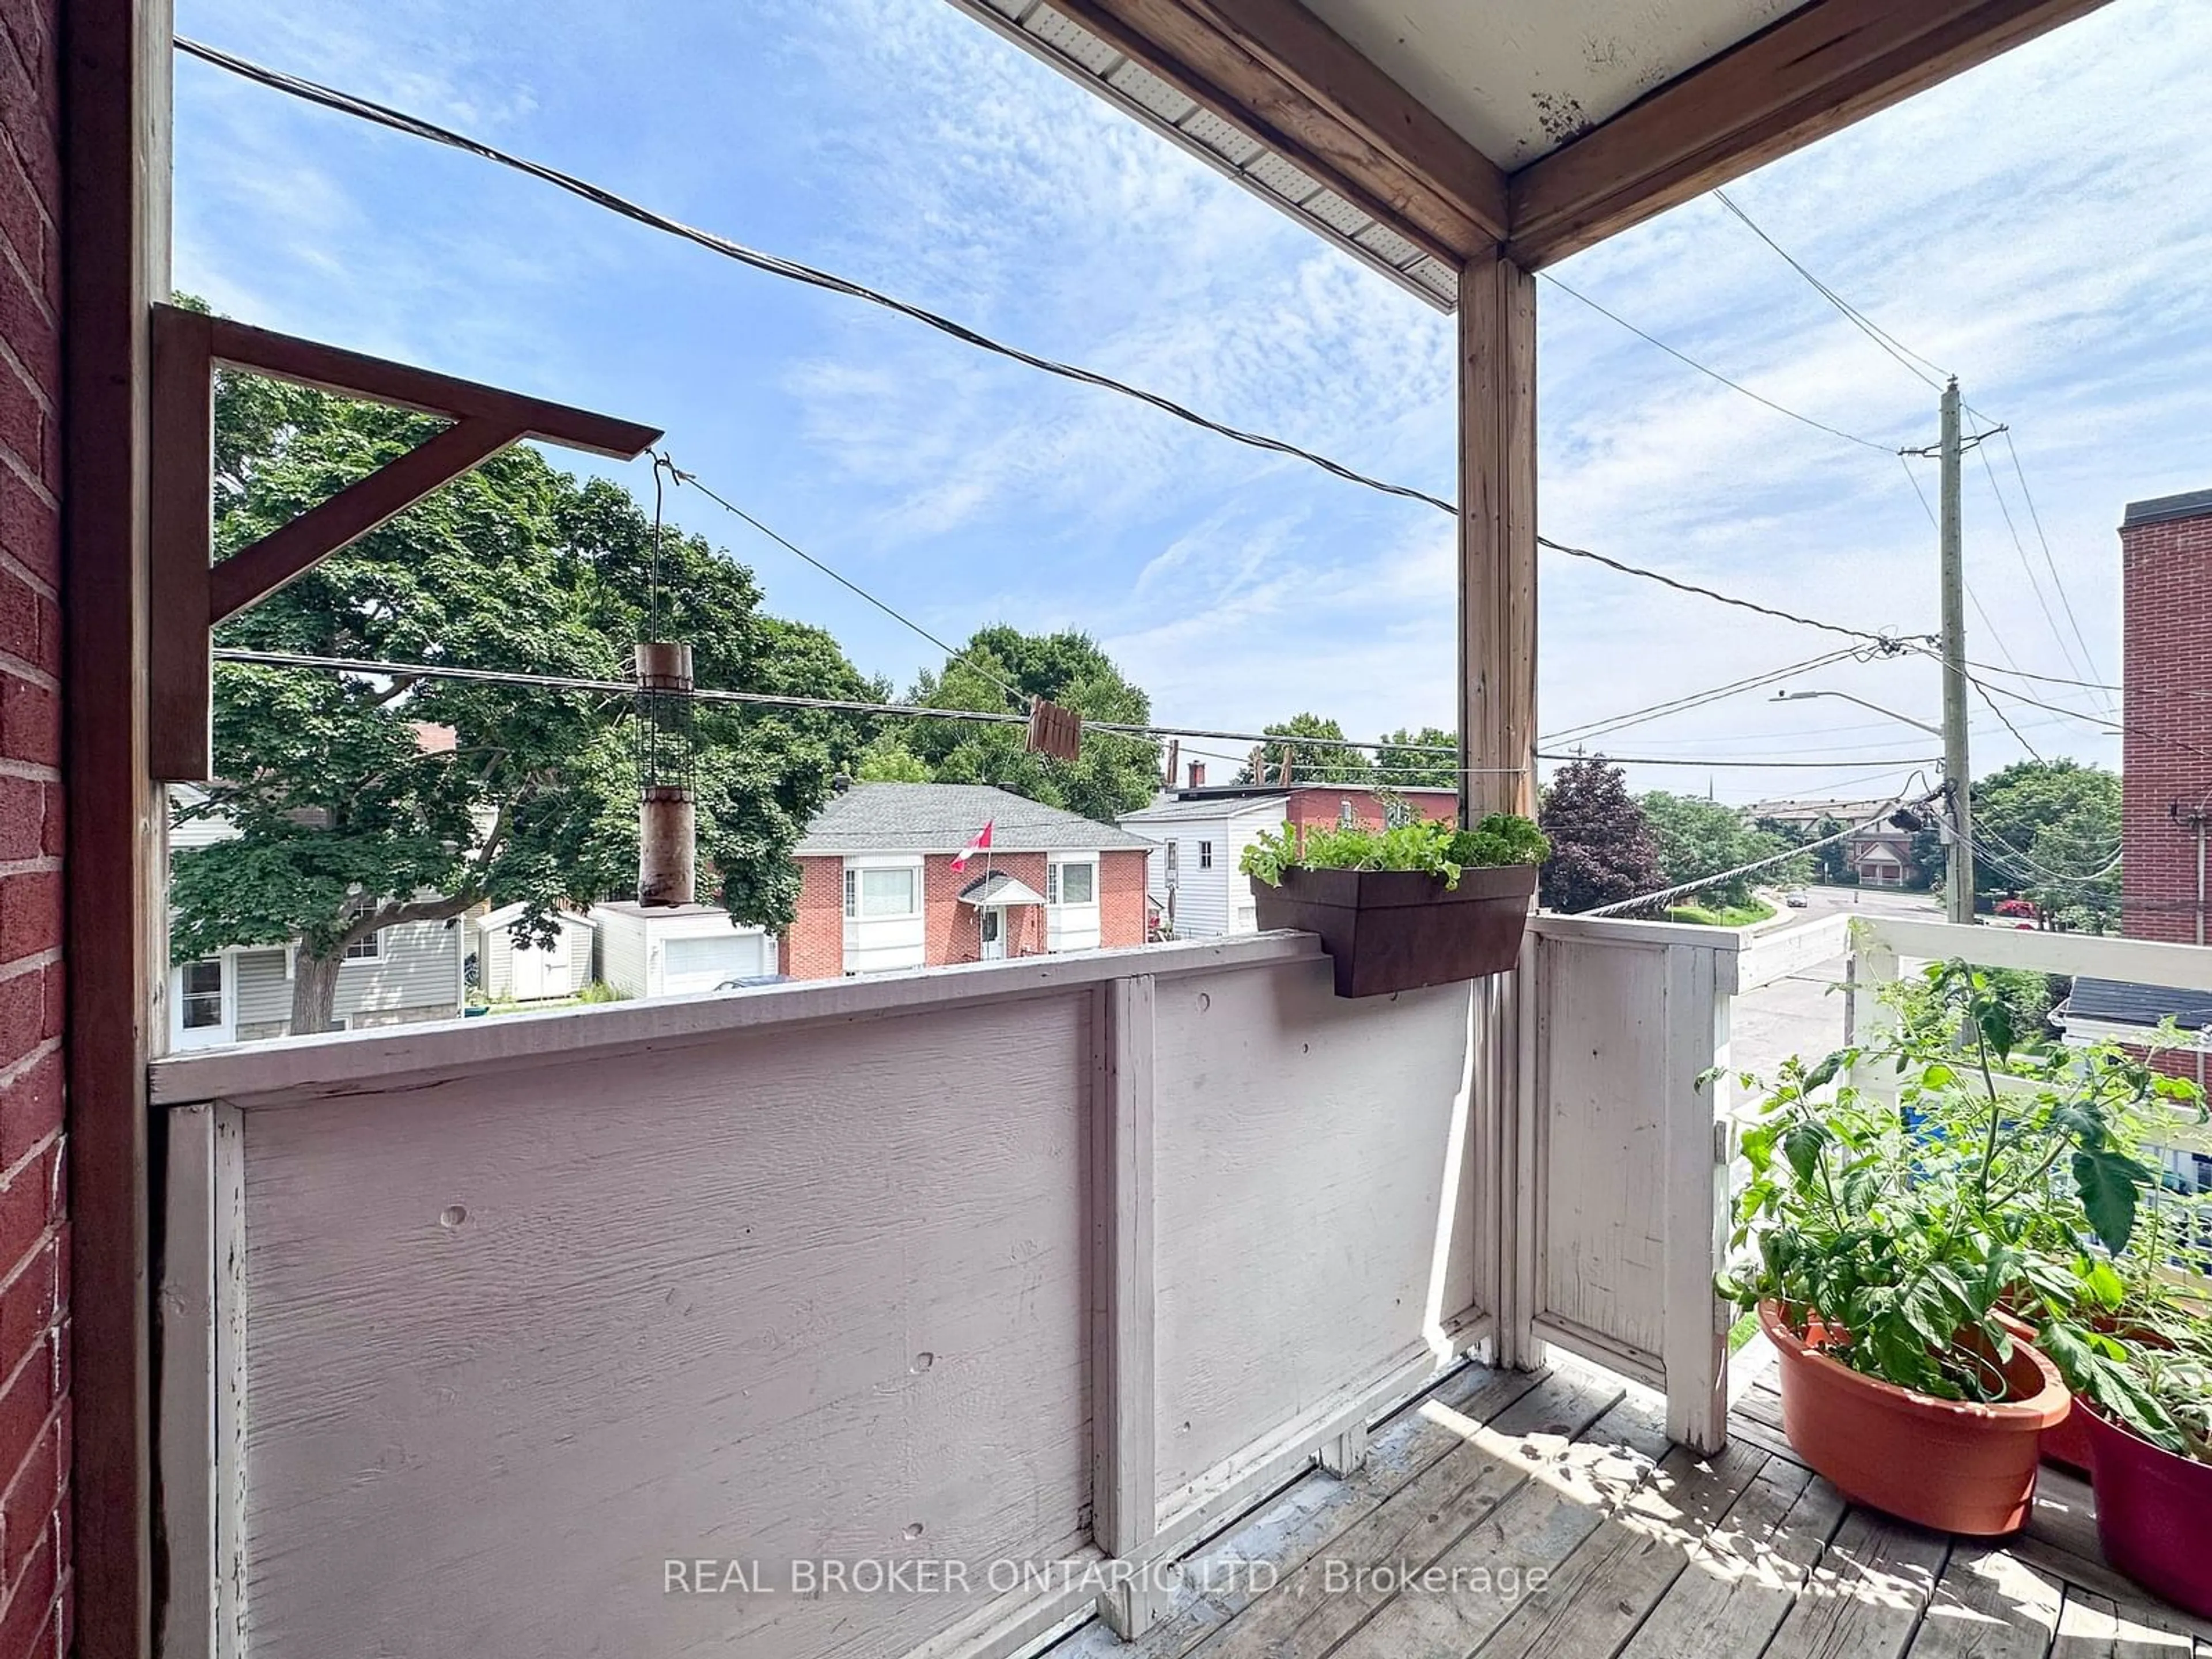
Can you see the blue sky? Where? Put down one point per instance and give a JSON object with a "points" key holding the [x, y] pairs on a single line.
{"points": [[2038, 226]]}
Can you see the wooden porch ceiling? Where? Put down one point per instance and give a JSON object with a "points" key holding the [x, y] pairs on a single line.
{"points": [[1420, 134]]}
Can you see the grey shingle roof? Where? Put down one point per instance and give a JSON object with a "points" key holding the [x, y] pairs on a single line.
{"points": [[1184, 811], [942, 818], [2125, 1003]]}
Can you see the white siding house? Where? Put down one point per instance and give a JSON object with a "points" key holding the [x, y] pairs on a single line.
{"points": [[244, 994], [1192, 872], [676, 951], [532, 972]]}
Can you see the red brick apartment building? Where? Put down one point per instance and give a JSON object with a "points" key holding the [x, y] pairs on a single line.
{"points": [[2166, 814], [35, 1438], [878, 891]]}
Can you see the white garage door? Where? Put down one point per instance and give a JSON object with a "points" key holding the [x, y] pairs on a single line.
{"points": [[700, 964]]}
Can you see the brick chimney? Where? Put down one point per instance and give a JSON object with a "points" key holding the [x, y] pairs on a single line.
{"points": [[1198, 774], [2166, 562]]}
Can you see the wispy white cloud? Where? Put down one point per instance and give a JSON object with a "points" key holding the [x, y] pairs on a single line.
{"points": [[2062, 264]]}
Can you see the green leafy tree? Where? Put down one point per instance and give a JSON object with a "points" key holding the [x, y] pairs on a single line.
{"points": [[2050, 831], [1831, 860], [1401, 762], [348, 822], [1310, 761], [1602, 850], [888, 760], [1700, 839], [1114, 775]]}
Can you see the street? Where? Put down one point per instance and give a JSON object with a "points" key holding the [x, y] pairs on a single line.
{"points": [[1800, 1015]]}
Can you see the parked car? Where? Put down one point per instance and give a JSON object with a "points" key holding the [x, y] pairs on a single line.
{"points": [[745, 981], [1796, 898]]}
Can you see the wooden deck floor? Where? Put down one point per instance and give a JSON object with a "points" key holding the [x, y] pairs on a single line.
{"points": [[1647, 1552]]}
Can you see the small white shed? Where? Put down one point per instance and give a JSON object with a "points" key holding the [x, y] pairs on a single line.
{"points": [[532, 972], [677, 950]]}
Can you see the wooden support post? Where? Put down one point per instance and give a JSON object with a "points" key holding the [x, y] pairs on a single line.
{"points": [[1498, 712], [1344, 1451], [1124, 1485], [1498, 538], [114, 58]]}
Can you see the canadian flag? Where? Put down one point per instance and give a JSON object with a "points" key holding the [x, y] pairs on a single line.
{"points": [[980, 843]]}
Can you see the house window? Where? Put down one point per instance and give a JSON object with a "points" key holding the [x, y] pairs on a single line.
{"points": [[1205, 855], [200, 1009], [1174, 861], [1347, 815], [870, 893], [363, 949], [1071, 884]]}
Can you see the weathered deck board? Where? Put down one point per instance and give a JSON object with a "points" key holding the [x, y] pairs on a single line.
{"points": [[1566, 1498], [1650, 1552], [1745, 1575], [1989, 1605], [1603, 1591], [1291, 1528], [1307, 1613]]}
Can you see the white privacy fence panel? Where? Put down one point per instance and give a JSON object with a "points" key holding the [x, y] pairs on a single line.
{"points": [[1314, 1211], [1624, 1150], [469, 1331]]}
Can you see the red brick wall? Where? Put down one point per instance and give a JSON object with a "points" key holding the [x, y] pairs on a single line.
{"points": [[814, 948], [951, 931], [2166, 576], [1120, 899], [954, 931], [34, 1405], [1323, 804]]}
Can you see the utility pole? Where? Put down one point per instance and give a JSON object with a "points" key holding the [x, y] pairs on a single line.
{"points": [[1958, 774]]}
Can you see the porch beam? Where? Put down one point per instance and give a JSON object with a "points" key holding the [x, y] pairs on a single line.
{"points": [[1284, 79], [1813, 72]]}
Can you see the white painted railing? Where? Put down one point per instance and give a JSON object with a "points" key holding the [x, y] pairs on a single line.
{"points": [[1013, 1277], [1880, 944]]}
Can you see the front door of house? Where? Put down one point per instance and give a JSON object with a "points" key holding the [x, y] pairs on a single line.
{"points": [[993, 919]]}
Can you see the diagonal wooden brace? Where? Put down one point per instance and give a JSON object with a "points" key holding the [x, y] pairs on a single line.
{"points": [[191, 592]]}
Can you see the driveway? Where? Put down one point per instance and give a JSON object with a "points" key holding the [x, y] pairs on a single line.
{"points": [[1799, 1015]]}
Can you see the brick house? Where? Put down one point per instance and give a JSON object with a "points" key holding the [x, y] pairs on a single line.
{"points": [[2166, 781], [1878, 855], [878, 891]]}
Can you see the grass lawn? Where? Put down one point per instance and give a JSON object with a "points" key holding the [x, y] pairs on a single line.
{"points": [[1735, 915]]}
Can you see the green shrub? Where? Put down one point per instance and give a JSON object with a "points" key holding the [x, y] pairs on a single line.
{"points": [[599, 991]]}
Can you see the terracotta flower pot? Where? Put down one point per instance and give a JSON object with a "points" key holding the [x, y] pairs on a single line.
{"points": [[2154, 1513], [1943, 1464], [1396, 930]]}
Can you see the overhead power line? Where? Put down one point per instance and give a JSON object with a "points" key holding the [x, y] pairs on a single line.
{"points": [[1732, 761], [1914, 364], [1690, 700], [1021, 698], [1714, 374], [1682, 889], [346, 103], [424, 671], [2020, 547], [382, 115]]}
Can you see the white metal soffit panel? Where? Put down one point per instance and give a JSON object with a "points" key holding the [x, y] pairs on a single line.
{"points": [[1074, 50], [1519, 78]]}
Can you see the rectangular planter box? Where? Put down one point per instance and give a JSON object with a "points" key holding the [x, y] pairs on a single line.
{"points": [[1397, 930]]}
